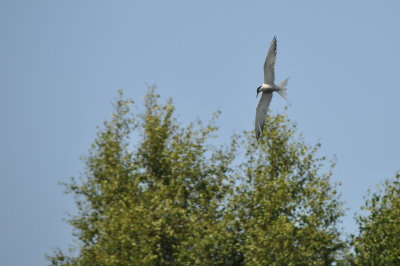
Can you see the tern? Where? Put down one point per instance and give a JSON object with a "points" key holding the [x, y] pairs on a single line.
{"points": [[267, 88]]}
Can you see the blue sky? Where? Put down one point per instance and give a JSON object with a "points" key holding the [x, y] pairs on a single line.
{"points": [[61, 63]]}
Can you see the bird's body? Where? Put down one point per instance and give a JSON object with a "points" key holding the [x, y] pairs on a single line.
{"points": [[267, 88]]}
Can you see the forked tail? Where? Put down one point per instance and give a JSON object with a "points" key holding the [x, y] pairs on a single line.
{"points": [[282, 88]]}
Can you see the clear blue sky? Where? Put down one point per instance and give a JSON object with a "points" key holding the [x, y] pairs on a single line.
{"points": [[61, 63]]}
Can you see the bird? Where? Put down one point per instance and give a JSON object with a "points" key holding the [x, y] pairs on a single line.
{"points": [[267, 88]]}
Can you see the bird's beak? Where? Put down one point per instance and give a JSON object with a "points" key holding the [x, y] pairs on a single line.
{"points": [[257, 93]]}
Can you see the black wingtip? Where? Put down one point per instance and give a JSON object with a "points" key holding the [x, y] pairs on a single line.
{"points": [[274, 43]]}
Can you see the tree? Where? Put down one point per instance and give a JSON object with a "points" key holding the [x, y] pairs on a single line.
{"points": [[378, 240], [173, 197], [287, 209], [158, 204]]}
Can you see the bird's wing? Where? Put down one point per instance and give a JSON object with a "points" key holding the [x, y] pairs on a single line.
{"points": [[269, 65], [261, 113]]}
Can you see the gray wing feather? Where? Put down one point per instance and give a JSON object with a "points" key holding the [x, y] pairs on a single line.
{"points": [[269, 65], [261, 113]]}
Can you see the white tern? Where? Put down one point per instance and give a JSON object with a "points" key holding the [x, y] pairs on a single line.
{"points": [[267, 88]]}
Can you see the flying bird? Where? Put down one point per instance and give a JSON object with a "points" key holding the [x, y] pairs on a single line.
{"points": [[267, 88]]}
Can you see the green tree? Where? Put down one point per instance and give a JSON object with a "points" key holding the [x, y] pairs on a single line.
{"points": [[378, 240], [287, 208], [157, 204], [174, 198]]}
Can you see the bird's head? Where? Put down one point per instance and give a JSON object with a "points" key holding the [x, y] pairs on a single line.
{"points": [[258, 90]]}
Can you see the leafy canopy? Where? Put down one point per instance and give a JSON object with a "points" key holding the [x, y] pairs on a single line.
{"points": [[157, 193], [378, 240]]}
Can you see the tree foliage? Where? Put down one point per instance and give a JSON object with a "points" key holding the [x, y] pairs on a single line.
{"points": [[287, 209], [157, 193], [378, 240]]}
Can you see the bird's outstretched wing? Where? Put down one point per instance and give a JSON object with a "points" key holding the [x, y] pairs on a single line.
{"points": [[261, 113], [269, 65]]}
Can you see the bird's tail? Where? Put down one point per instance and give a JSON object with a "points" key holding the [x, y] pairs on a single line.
{"points": [[282, 88]]}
